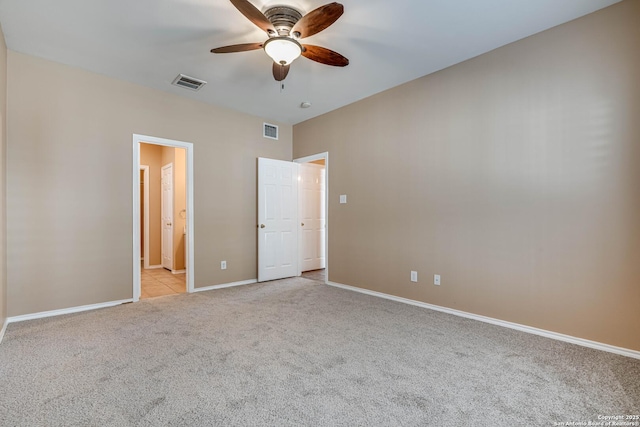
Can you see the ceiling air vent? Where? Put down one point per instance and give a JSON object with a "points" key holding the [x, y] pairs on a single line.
{"points": [[188, 82], [270, 131]]}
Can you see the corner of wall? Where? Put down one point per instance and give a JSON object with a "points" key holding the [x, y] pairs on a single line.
{"points": [[472, 182], [3, 194]]}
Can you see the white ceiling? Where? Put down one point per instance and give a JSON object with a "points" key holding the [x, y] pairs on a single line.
{"points": [[388, 42]]}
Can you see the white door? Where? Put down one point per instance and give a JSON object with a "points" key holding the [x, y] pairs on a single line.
{"points": [[312, 216], [167, 216], [277, 219]]}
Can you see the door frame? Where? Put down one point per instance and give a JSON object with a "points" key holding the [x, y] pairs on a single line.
{"points": [[308, 159], [188, 146], [145, 213]]}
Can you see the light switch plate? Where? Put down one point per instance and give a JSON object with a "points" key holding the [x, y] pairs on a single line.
{"points": [[414, 276], [436, 279], [343, 198]]}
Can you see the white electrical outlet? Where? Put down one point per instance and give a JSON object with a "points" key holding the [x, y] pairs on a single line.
{"points": [[223, 265], [436, 279], [343, 198], [414, 276]]}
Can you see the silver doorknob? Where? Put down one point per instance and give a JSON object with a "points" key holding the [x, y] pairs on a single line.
{"points": [[262, 226]]}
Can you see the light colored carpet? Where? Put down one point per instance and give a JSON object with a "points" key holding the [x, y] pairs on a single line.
{"points": [[296, 352]]}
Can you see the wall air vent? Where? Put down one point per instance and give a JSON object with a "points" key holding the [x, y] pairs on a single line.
{"points": [[270, 131], [188, 82]]}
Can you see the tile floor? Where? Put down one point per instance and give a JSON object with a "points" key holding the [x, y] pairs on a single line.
{"points": [[319, 275], [157, 282]]}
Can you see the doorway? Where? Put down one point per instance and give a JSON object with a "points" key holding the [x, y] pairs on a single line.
{"points": [[178, 225], [312, 216], [319, 245], [279, 224]]}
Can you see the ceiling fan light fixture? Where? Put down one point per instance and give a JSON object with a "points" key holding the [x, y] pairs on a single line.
{"points": [[283, 50]]}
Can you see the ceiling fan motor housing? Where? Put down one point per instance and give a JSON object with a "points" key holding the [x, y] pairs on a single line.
{"points": [[283, 18]]}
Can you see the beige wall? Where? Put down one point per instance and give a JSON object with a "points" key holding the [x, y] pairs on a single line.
{"points": [[151, 155], [513, 175], [70, 134], [3, 196], [142, 222]]}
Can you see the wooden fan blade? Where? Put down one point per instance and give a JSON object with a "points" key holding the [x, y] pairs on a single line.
{"points": [[317, 20], [324, 56], [280, 71], [237, 48], [254, 15]]}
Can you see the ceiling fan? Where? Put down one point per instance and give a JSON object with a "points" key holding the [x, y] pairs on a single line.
{"points": [[285, 26]]}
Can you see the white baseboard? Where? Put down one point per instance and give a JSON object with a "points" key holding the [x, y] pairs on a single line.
{"points": [[151, 267], [3, 330], [69, 310], [178, 271], [523, 328], [226, 285]]}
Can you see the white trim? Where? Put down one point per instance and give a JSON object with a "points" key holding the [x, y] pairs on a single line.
{"points": [[226, 285], [308, 159], [145, 169], [69, 310], [4, 329], [188, 146], [151, 267], [523, 328], [178, 271]]}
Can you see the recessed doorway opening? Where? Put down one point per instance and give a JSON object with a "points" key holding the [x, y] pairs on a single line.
{"points": [[283, 251], [313, 186], [163, 217]]}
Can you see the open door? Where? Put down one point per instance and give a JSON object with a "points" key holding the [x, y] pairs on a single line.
{"points": [[277, 219], [312, 216], [167, 216]]}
